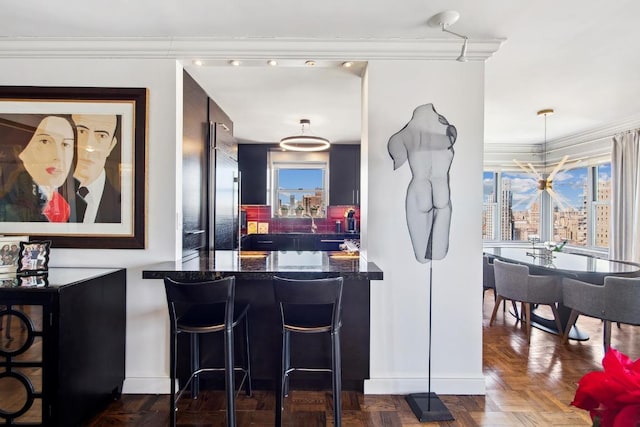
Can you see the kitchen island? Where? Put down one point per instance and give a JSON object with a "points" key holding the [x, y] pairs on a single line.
{"points": [[253, 272]]}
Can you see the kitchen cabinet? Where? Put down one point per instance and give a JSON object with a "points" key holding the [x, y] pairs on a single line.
{"points": [[262, 242], [344, 175], [252, 163], [331, 242], [295, 241]]}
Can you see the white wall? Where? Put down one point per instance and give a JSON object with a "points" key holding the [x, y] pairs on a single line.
{"points": [[399, 303], [147, 324], [399, 306]]}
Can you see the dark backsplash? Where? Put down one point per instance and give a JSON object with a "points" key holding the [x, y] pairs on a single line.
{"points": [[292, 224]]}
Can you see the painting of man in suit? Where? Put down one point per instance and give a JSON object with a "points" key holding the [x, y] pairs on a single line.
{"points": [[98, 136]]}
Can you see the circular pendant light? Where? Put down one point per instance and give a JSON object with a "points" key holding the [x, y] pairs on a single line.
{"points": [[305, 141]]}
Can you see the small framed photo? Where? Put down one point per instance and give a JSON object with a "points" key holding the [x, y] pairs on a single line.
{"points": [[10, 252], [8, 281], [34, 281], [34, 257]]}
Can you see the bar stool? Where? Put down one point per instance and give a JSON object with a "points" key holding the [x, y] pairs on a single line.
{"points": [[197, 308], [310, 306]]}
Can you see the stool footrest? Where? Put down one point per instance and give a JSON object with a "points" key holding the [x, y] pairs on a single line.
{"points": [[205, 370], [289, 370]]}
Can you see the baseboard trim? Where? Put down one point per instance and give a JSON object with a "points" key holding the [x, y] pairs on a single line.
{"points": [[455, 386], [146, 385]]}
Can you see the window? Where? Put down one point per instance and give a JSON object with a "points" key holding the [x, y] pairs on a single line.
{"points": [[489, 205], [601, 205], [519, 206], [299, 184], [580, 206], [571, 191]]}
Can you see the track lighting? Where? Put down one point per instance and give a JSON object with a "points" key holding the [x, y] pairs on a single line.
{"points": [[444, 20], [463, 52]]}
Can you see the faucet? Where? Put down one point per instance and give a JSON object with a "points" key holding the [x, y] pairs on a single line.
{"points": [[314, 227]]}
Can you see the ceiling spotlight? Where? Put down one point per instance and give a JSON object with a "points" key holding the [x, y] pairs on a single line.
{"points": [[272, 62], [235, 62], [444, 20], [347, 64], [197, 62], [463, 52], [305, 141], [310, 63]]}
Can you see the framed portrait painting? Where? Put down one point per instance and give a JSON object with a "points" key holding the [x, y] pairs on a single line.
{"points": [[73, 165]]}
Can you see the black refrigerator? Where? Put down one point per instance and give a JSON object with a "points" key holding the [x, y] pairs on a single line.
{"points": [[226, 185]]}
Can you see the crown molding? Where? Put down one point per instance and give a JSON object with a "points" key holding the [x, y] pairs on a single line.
{"points": [[601, 133], [590, 136], [590, 147], [245, 48]]}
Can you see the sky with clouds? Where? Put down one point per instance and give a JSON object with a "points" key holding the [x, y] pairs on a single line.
{"points": [[569, 185]]}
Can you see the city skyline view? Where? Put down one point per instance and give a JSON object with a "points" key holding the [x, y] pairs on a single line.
{"points": [[296, 184], [569, 185], [514, 212]]}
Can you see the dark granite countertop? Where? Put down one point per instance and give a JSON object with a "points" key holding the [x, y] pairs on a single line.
{"points": [[263, 265]]}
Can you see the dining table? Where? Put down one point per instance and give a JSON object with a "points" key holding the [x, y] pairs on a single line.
{"points": [[541, 261]]}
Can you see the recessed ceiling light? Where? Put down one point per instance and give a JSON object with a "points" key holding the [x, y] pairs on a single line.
{"points": [[197, 62], [272, 62], [347, 64], [310, 63], [234, 62]]}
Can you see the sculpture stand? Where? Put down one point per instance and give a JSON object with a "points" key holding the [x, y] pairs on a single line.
{"points": [[428, 406]]}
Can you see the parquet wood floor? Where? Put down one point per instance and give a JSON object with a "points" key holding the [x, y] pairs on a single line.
{"points": [[526, 385]]}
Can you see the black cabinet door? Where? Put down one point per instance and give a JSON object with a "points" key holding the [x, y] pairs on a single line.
{"points": [[344, 175], [252, 163], [266, 242], [329, 243]]}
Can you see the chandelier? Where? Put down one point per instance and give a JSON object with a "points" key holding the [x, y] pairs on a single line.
{"points": [[305, 141], [545, 182]]}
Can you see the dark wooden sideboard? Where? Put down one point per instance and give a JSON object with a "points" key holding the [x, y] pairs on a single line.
{"points": [[62, 351]]}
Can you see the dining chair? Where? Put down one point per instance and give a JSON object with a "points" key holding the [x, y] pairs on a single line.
{"points": [[615, 301], [488, 276], [513, 282], [489, 282], [197, 308]]}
